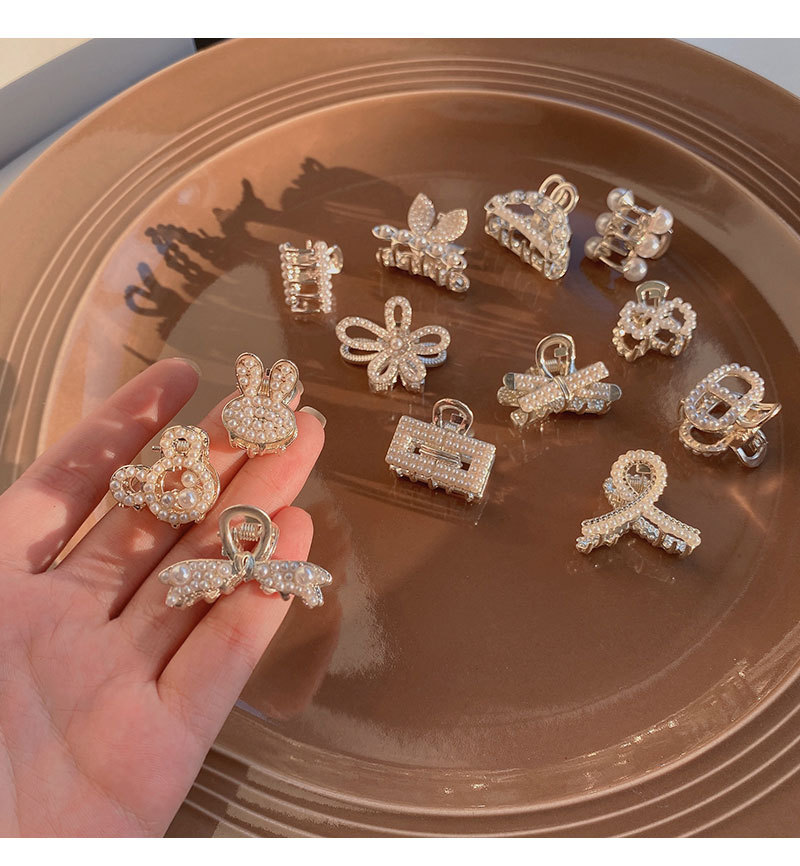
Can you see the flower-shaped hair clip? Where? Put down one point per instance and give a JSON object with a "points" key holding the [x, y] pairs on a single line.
{"points": [[394, 351]]}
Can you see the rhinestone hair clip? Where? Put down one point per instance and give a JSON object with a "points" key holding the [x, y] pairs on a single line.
{"points": [[638, 478], [540, 235], [426, 247]]}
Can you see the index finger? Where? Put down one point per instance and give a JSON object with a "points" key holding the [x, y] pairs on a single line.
{"points": [[46, 506]]}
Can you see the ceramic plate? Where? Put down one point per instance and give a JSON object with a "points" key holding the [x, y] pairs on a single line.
{"points": [[470, 671]]}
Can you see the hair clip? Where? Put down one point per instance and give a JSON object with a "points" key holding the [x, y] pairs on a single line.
{"points": [[425, 248], [638, 478], [727, 409], [193, 579], [260, 421], [184, 450], [653, 322], [629, 235], [394, 351], [541, 235], [307, 284], [554, 384], [442, 453]]}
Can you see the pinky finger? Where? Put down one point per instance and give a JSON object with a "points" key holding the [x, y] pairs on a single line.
{"points": [[206, 675]]}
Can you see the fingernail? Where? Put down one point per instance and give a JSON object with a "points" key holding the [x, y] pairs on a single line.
{"points": [[193, 364], [310, 410]]}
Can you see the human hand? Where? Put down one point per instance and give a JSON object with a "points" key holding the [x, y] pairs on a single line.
{"points": [[109, 700]]}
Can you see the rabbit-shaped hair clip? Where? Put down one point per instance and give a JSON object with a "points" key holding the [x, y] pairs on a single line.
{"points": [[260, 421]]}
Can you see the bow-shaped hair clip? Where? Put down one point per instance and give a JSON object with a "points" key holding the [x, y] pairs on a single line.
{"points": [[195, 579], [555, 385], [426, 247]]}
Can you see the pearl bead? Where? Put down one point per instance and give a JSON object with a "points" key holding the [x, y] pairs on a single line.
{"points": [[648, 245], [187, 498], [167, 500], [617, 196], [660, 221], [592, 246], [303, 575], [601, 223], [181, 575], [635, 269], [188, 479]]}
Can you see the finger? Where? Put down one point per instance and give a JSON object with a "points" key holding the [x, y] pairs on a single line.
{"points": [[206, 675], [126, 545], [50, 501], [157, 631]]}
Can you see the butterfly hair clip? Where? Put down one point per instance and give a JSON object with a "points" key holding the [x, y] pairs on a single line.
{"points": [[426, 247], [195, 579]]}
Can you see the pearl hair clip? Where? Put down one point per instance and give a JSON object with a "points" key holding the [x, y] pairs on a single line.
{"points": [[653, 322], [184, 450], [629, 234], [207, 579], [259, 420], [540, 235], [307, 284], [726, 408], [442, 453], [638, 478], [555, 385], [426, 247]]}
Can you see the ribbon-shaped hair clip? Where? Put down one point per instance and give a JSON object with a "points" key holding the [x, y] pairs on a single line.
{"points": [[195, 579], [638, 478]]}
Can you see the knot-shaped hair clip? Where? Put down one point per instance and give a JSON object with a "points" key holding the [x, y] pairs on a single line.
{"points": [[554, 384], [727, 411], [443, 453], [535, 225], [183, 450], [195, 579], [260, 421], [307, 284], [653, 322], [629, 234], [394, 351], [426, 247], [638, 478]]}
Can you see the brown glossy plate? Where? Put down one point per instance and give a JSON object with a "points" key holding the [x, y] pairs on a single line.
{"points": [[470, 671]]}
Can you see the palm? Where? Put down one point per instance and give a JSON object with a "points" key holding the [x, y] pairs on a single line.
{"points": [[109, 700]]}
